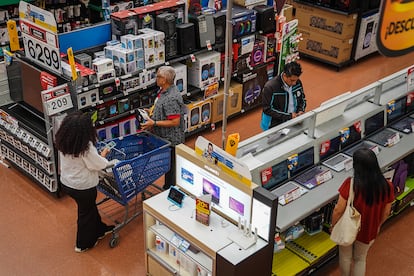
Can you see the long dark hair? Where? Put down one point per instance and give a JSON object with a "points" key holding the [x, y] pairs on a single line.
{"points": [[368, 178], [75, 133]]}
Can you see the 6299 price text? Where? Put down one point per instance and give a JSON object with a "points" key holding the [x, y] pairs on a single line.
{"points": [[43, 54]]}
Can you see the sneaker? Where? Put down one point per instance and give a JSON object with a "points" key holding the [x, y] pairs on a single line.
{"points": [[109, 230], [80, 250]]}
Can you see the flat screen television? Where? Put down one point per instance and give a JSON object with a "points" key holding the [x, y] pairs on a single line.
{"points": [[231, 197], [24, 83]]}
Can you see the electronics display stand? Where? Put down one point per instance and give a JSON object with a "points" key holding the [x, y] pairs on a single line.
{"points": [[177, 244], [27, 141]]}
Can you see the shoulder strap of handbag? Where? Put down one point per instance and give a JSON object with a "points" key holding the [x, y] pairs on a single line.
{"points": [[351, 193]]}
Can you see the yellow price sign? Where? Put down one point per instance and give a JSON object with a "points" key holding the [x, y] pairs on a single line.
{"points": [[72, 63]]}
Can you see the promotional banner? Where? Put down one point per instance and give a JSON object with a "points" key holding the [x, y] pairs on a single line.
{"points": [[222, 159], [396, 28]]}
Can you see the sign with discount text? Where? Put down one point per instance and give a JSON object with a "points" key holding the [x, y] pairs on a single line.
{"points": [[40, 40]]}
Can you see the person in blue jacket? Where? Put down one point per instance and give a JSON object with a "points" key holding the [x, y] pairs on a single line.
{"points": [[283, 97]]}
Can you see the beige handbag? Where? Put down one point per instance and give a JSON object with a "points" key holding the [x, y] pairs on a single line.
{"points": [[346, 229]]}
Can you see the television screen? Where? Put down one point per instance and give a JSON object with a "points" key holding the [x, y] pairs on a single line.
{"points": [[30, 86]]}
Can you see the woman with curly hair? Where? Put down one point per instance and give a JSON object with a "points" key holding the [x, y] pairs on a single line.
{"points": [[80, 163]]}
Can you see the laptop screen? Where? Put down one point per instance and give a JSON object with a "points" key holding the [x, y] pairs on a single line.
{"points": [[396, 109], [275, 175], [301, 162], [351, 135], [374, 123], [329, 148]]}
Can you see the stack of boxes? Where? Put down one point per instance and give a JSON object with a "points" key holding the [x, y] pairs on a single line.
{"points": [[327, 35]]}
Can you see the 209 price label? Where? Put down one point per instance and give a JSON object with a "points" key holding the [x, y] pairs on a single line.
{"points": [[57, 99], [42, 53]]}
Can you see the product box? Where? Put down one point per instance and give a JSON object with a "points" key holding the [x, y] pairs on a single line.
{"points": [[131, 41], [366, 38], [130, 85], [204, 70], [121, 6], [332, 24], [122, 23], [180, 77], [84, 59], [234, 102], [270, 46], [253, 83], [325, 47], [88, 98], [198, 113], [106, 75], [145, 15], [102, 65], [258, 53]]}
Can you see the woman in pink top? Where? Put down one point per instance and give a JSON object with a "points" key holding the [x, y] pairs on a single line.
{"points": [[373, 198]]}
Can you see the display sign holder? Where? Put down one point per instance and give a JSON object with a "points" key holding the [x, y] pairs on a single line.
{"points": [[40, 40], [56, 99]]}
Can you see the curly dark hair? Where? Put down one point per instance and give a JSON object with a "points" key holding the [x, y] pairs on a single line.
{"points": [[75, 133]]}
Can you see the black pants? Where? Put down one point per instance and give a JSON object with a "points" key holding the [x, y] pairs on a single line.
{"points": [[90, 225], [170, 175]]}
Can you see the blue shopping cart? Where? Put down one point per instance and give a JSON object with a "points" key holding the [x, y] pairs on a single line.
{"points": [[142, 158]]}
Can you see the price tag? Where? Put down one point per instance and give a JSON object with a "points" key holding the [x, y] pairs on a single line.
{"points": [[349, 164], [39, 33], [394, 139], [57, 99], [323, 177], [209, 47]]}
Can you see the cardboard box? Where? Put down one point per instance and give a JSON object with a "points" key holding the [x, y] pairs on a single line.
{"points": [[288, 12], [205, 70], [233, 103], [325, 47], [333, 24], [198, 113]]}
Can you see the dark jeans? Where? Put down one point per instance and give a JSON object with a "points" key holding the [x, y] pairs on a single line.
{"points": [[90, 225], [170, 175]]}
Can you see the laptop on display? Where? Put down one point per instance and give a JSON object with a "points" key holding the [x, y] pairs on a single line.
{"points": [[350, 135], [274, 176], [363, 144], [288, 192], [375, 131], [304, 171], [396, 109], [404, 125], [330, 156]]}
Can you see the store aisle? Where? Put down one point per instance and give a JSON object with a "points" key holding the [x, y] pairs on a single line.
{"points": [[38, 230]]}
